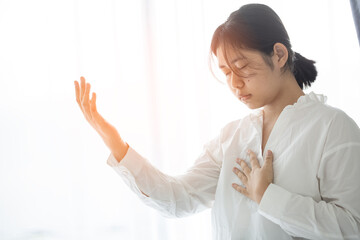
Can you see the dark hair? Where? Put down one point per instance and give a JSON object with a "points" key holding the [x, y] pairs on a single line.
{"points": [[258, 27]]}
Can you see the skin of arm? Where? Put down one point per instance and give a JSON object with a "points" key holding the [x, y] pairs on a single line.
{"points": [[107, 132]]}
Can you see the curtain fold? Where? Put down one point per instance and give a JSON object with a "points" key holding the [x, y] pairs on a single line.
{"points": [[355, 8]]}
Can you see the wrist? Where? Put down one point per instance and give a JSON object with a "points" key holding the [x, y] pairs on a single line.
{"points": [[261, 193], [121, 151]]}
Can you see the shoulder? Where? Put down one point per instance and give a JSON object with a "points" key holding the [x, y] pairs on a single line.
{"points": [[235, 124], [341, 128], [324, 121], [230, 127], [315, 107], [336, 117], [229, 131]]}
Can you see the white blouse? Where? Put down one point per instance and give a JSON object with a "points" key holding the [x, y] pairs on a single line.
{"points": [[316, 188]]}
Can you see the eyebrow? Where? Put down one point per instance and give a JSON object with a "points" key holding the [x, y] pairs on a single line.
{"points": [[232, 62]]}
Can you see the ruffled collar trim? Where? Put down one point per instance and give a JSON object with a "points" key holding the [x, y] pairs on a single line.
{"points": [[308, 98], [301, 102]]}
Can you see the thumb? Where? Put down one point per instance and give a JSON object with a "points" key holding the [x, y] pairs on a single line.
{"points": [[93, 109], [93, 103], [268, 159]]}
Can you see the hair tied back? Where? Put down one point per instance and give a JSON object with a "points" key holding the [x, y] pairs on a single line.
{"points": [[304, 70]]}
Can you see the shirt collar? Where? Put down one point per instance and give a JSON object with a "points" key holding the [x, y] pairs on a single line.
{"points": [[308, 99], [301, 102]]}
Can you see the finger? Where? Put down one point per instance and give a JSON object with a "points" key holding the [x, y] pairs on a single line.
{"points": [[253, 160], [77, 92], [93, 109], [240, 175], [94, 113], [85, 102], [82, 88], [268, 159], [244, 167], [240, 189]]}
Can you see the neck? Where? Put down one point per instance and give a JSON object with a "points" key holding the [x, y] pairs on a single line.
{"points": [[288, 95]]}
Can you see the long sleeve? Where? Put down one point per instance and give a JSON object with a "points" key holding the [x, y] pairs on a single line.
{"points": [[337, 214], [173, 196]]}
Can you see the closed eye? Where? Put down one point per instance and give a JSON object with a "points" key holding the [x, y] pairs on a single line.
{"points": [[225, 70]]}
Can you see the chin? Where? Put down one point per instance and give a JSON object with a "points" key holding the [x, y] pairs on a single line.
{"points": [[253, 106]]}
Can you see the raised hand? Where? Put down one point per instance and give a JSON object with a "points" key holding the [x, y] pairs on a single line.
{"points": [[108, 132], [256, 179]]}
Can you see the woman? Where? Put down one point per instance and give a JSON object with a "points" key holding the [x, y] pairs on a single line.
{"points": [[306, 187]]}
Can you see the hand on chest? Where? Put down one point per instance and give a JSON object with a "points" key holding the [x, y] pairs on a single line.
{"points": [[295, 157]]}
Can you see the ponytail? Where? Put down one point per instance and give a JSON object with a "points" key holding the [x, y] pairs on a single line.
{"points": [[304, 70]]}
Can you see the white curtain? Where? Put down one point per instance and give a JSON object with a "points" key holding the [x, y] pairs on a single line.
{"points": [[148, 63]]}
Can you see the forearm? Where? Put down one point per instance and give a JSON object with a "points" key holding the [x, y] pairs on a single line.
{"points": [[173, 196], [120, 151], [303, 217]]}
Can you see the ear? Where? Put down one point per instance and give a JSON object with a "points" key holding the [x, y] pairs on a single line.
{"points": [[280, 55]]}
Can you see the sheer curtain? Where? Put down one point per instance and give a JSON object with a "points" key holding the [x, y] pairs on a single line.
{"points": [[148, 63], [355, 7]]}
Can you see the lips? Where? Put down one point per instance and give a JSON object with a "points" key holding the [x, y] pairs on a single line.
{"points": [[244, 97]]}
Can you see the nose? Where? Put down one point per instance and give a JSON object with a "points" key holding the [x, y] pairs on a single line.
{"points": [[236, 82]]}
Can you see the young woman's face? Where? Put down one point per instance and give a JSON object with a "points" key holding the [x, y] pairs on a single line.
{"points": [[249, 77]]}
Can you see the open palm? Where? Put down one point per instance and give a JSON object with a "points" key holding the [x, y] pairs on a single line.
{"points": [[108, 132]]}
